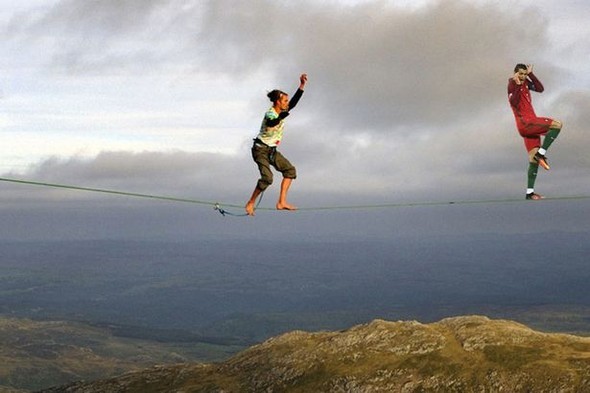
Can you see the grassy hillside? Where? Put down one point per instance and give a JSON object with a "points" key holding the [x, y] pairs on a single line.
{"points": [[36, 355], [462, 354]]}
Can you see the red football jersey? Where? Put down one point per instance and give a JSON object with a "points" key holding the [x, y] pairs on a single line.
{"points": [[520, 99]]}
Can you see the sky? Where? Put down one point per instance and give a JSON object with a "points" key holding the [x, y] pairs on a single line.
{"points": [[406, 102]]}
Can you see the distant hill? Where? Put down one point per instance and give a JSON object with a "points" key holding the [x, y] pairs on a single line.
{"points": [[39, 354], [460, 354]]}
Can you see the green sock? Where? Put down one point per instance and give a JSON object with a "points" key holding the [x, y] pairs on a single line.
{"points": [[532, 175], [550, 137]]}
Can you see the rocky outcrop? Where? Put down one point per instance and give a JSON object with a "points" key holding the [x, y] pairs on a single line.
{"points": [[461, 354]]}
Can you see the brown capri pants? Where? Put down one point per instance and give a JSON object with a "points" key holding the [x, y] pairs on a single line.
{"points": [[265, 157]]}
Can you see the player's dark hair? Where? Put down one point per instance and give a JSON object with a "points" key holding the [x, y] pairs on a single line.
{"points": [[275, 95], [520, 66]]}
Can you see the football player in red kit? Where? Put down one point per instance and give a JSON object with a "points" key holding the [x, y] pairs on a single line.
{"points": [[529, 125]]}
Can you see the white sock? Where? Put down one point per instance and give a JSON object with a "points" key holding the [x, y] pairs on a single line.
{"points": [[542, 151], [530, 190]]}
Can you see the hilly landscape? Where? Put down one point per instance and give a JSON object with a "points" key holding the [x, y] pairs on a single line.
{"points": [[457, 354], [92, 310], [38, 354]]}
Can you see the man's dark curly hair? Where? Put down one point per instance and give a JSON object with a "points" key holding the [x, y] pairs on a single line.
{"points": [[275, 95]]}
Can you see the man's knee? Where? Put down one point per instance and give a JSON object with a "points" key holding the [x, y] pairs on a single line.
{"points": [[557, 124], [262, 185], [264, 182], [290, 173]]}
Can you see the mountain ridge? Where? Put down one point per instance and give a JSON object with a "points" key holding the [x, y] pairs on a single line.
{"points": [[456, 354]]}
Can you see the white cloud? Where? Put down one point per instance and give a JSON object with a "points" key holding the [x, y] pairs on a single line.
{"points": [[401, 102]]}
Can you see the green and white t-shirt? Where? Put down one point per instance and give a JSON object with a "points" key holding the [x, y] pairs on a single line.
{"points": [[271, 129], [271, 135]]}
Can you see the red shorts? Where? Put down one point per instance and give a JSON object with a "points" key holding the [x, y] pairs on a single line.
{"points": [[532, 129]]}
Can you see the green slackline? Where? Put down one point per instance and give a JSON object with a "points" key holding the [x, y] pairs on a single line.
{"points": [[440, 203], [132, 194], [217, 205]]}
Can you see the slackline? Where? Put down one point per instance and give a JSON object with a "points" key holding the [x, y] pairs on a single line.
{"points": [[218, 206]]}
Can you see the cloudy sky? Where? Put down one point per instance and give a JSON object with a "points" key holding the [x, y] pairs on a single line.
{"points": [[406, 100]]}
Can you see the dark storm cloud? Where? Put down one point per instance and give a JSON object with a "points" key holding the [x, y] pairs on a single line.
{"points": [[379, 66], [371, 65]]}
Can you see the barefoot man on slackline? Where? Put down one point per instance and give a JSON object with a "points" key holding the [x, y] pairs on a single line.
{"points": [[264, 150]]}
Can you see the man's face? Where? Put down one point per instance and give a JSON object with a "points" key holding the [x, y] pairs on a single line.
{"points": [[521, 74], [284, 102]]}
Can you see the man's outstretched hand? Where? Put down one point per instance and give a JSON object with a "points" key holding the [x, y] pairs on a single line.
{"points": [[302, 81]]}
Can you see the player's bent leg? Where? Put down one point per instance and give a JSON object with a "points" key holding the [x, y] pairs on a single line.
{"points": [[551, 135]]}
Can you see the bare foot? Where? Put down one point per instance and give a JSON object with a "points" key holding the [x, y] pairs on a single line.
{"points": [[285, 206], [250, 208]]}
